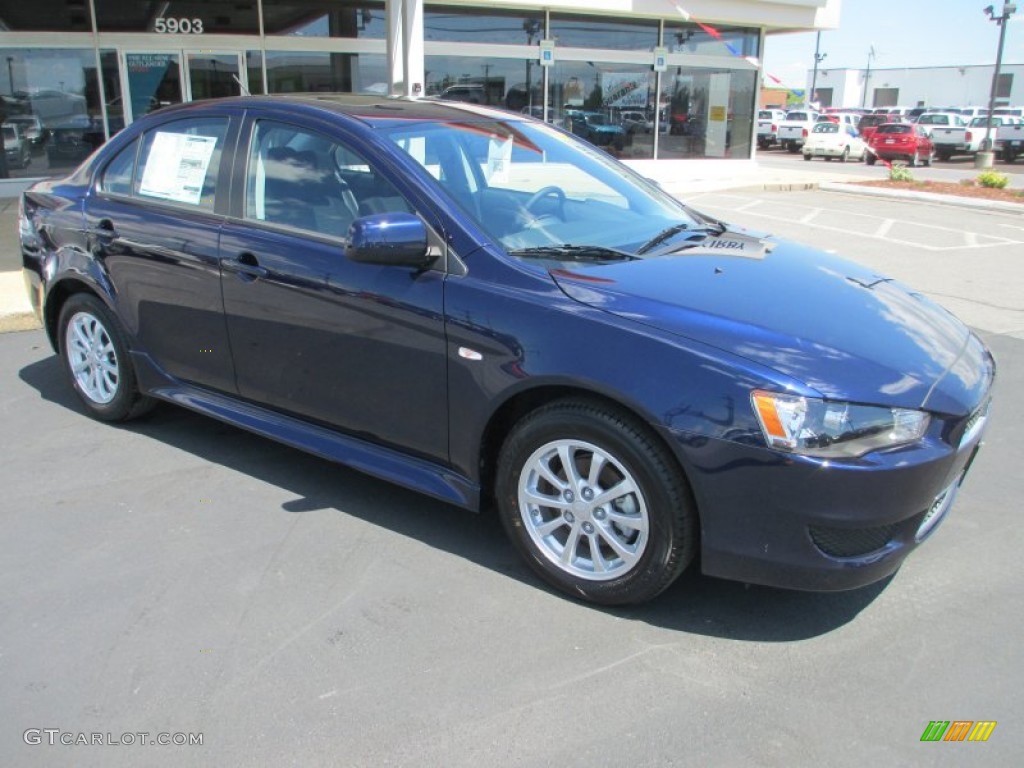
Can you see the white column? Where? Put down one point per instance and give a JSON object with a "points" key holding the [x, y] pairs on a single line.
{"points": [[396, 70], [412, 45]]}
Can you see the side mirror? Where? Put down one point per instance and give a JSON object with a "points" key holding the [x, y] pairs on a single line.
{"points": [[396, 239]]}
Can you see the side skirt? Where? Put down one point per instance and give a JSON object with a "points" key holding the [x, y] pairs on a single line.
{"points": [[378, 461]]}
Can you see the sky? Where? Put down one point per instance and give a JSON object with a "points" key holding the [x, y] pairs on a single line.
{"points": [[904, 33]]}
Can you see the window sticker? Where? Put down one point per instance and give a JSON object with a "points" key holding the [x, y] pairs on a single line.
{"points": [[499, 158], [176, 167]]}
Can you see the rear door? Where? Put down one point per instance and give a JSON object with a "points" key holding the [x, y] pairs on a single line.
{"points": [[154, 218]]}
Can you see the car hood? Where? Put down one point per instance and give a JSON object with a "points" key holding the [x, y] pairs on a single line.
{"points": [[832, 325]]}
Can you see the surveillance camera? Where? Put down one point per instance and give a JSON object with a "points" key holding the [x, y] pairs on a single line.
{"points": [[989, 10]]}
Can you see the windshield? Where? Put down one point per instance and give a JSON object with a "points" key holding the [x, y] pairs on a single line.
{"points": [[826, 128], [529, 186], [9, 134], [797, 116]]}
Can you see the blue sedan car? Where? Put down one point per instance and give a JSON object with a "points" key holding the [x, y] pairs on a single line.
{"points": [[484, 308]]}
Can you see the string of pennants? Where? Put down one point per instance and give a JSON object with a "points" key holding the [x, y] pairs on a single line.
{"points": [[716, 35]]}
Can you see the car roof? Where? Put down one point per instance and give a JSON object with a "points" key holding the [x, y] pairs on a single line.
{"points": [[367, 108]]}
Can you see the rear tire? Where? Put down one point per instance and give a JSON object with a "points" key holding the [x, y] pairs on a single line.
{"points": [[594, 504], [96, 359], [870, 159]]}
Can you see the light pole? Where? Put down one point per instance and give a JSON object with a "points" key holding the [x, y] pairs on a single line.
{"points": [[867, 76], [818, 58], [10, 73], [985, 156]]}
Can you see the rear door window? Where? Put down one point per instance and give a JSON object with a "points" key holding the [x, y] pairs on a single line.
{"points": [[179, 162]]}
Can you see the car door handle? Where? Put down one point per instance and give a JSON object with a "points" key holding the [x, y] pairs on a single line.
{"points": [[246, 264]]}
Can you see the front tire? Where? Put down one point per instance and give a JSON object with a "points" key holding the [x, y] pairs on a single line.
{"points": [[594, 504], [96, 359], [870, 159]]}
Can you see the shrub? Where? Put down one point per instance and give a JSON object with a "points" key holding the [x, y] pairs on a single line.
{"points": [[993, 180], [900, 172]]}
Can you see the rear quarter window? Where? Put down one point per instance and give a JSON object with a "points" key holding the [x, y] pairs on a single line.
{"points": [[890, 128]]}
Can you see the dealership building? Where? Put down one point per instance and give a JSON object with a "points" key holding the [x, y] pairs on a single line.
{"points": [[87, 68]]}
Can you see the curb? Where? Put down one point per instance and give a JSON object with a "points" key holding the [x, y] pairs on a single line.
{"points": [[19, 321], [924, 197]]}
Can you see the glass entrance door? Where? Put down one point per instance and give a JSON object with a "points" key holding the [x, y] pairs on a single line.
{"points": [[159, 79], [214, 75], [153, 80]]}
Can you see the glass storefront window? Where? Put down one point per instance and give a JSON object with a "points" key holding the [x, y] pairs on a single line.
{"points": [[45, 16], [610, 105], [173, 18], [706, 113], [492, 81], [482, 25], [325, 18], [689, 38], [296, 72], [112, 91], [577, 31], [56, 93]]}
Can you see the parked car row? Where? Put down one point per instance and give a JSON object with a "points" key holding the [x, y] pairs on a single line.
{"points": [[925, 133]]}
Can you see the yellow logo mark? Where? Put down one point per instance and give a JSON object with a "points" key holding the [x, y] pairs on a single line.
{"points": [[982, 730]]}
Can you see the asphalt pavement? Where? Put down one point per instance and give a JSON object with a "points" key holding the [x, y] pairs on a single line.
{"points": [[178, 579]]}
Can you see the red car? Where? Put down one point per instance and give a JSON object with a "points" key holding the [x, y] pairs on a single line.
{"points": [[869, 123], [901, 141]]}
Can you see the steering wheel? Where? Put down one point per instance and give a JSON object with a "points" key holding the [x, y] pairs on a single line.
{"points": [[557, 192]]}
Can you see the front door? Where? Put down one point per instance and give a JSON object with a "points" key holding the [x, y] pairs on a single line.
{"points": [[360, 347]]}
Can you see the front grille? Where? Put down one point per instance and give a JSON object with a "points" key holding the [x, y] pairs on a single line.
{"points": [[850, 542]]}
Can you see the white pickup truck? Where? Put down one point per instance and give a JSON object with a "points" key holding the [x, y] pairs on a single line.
{"points": [[966, 140], [768, 121], [794, 129], [1009, 142]]}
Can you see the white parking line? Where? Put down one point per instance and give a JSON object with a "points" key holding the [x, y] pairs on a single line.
{"points": [[974, 240], [884, 227]]}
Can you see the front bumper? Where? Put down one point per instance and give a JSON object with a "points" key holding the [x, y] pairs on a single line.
{"points": [[788, 521]]}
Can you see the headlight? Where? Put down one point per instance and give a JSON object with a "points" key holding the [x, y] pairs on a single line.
{"points": [[825, 429]]}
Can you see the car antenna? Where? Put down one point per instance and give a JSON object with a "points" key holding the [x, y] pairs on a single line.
{"points": [[245, 91]]}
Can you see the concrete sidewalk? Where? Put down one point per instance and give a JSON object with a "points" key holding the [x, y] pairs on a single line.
{"points": [[699, 176]]}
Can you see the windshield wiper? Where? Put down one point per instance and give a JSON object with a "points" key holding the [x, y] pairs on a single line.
{"points": [[596, 253], [714, 226], [661, 237]]}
